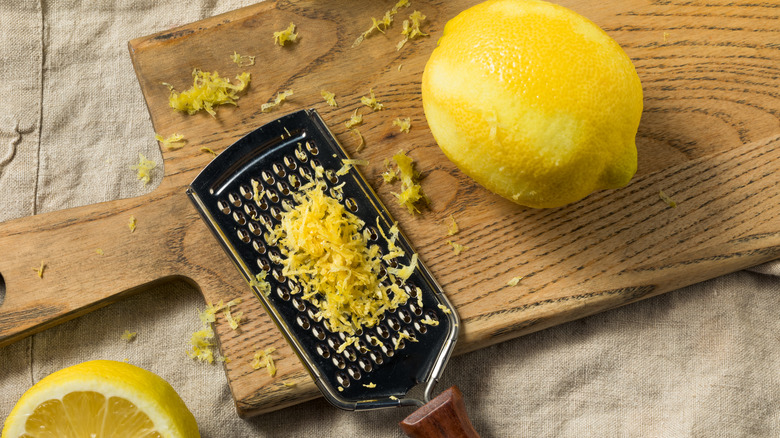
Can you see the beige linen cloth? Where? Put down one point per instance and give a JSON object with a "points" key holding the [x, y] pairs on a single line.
{"points": [[699, 362]]}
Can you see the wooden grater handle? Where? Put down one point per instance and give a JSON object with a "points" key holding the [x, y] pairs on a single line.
{"points": [[444, 416]]}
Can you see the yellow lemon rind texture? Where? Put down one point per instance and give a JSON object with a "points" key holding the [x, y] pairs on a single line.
{"points": [[533, 101]]}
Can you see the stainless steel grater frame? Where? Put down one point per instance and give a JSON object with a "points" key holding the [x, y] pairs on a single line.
{"points": [[223, 195]]}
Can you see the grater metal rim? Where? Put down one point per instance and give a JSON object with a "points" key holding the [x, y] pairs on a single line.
{"points": [[306, 124]]}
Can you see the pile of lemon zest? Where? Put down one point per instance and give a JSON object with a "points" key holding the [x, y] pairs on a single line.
{"points": [[444, 309], [403, 124], [348, 163], [175, 141], [280, 97], [386, 21], [362, 143], [355, 120], [666, 198], [208, 90], [371, 101], [370, 385], [132, 224], [263, 358], [129, 336], [329, 97], [453, 228], [411, 191], [39, 270], [288, 34], [261, 284], [242, 60], [411, 28], [458, 248], [327, 255], [207, 150], [99, 251], [514, 281], [144, 168], [427, 320]]}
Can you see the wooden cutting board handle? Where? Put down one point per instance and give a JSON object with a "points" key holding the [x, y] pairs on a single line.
{"points": [[444, 416]]}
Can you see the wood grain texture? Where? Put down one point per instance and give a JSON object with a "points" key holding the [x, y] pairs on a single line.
{"points": [[709, 137]]}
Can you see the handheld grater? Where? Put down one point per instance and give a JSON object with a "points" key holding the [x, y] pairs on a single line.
{"points": [[277, 157]]}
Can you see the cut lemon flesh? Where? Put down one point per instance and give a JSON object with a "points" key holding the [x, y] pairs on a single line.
{"points": [[101, 399]]}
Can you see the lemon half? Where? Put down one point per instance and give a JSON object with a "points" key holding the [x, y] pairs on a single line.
{"points": [[533, 101], [101, 398]]}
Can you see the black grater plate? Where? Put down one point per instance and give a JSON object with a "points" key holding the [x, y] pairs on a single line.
{"points": [[223, 195]]}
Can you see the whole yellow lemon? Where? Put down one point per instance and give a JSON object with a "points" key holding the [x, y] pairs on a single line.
{"points": [[533, 101]]}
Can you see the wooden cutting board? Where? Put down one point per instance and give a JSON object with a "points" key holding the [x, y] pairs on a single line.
{"points": [[709, 138]]}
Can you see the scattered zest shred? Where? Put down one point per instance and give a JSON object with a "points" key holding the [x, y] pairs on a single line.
{"points": [[371, 101], [348, 163], [326, 253], [429, 321], [411, 191], [411, 28], [666, 198], [288, 34], [329, 97], [132, 224], [288, 384], [514, 281], [208, 90], [349, 341], [403, 124], [144, 169], [175, 141], [355, 120], [392, 397], [456, 246], [280, 97], [129, 336], [261, 284], [206, 150], [401, 337], [370, 385], [99, 251], [444, 309], [202, 341], [40, 269], [233, 320], [362, 142], [242, 60], [384, 22], [263, 359], [453, 228]]}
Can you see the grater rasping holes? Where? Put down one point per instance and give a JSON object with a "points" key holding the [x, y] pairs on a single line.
{"points": [[278, 158]]}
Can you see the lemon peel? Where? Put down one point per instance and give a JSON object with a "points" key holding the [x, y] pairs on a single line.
{"points": [[280, 97], [208, 91], [283, 36], [144, 169], [543, 115], [329, 97], [403, 124]]}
